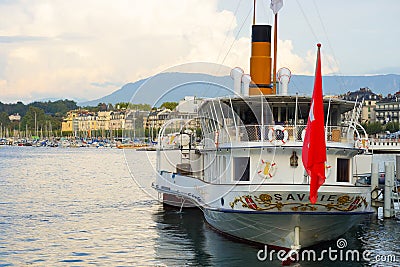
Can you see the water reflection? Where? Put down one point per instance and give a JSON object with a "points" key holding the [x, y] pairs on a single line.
{"points": [[64, 207], [185, 239]]}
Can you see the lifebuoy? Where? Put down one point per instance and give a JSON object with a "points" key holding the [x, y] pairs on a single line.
{"points": [[278, 135], [267, 169], [362, 143]]}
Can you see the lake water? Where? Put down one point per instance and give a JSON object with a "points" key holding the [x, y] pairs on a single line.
{"points": [[87, 206]]}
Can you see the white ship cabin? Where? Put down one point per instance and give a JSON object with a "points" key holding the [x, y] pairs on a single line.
{"points": [[257, 140]]}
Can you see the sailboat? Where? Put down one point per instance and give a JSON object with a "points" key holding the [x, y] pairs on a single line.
{"points": [[265, 166]]}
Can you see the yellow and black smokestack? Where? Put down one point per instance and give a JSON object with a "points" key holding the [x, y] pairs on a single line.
{"points": [[260, 60]]}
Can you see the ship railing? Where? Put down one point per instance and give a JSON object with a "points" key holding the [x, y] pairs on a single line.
{"points": [[271, 133], [385, 142]]}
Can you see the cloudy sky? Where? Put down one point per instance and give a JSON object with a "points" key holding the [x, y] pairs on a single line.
{"points": [[87, 49]]}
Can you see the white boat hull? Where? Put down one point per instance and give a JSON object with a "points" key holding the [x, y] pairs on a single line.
{"points": [[277, 228], [177, 201], [269, 214]]}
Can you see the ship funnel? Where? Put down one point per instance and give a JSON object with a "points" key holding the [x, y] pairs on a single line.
{"points": [[236, 75], [283, 75], [246, 80], [260, 60]]}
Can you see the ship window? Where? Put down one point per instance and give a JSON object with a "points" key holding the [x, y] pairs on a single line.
{"points": [[343, 167], [241, 169]]}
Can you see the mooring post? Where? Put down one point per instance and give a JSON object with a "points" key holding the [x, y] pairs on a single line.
{"points": [[389, 179], [374, 184]]}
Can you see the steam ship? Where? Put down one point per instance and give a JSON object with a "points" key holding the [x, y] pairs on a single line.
{"points": [[244, 169]]}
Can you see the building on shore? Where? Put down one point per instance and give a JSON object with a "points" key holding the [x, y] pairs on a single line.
{"points": [[185, 110], [156, 118], [14, 117], [79, 120], [369, 99], [388, 109], [134, 123], [83, 122]]}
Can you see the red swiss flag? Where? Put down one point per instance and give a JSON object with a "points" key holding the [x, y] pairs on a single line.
{"points": [[314, 145]]}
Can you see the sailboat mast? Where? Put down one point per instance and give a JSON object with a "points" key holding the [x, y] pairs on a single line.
{"points": [[36, 129]]}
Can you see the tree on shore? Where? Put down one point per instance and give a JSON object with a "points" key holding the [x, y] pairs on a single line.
{"points": [[169, 105], [18, 107], [128, 105], [4, 120], [373, 128], [31, 115], [56, 108], [392, 126]]}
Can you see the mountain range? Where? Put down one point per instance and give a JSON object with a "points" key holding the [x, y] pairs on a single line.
{"points": [[174, 86]]}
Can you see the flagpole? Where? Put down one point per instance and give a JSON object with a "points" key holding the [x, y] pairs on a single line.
{"points": [[327, 118], [275, 52], [295, 118], [254, 13]]}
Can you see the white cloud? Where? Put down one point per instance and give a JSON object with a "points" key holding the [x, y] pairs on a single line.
{"points": [[73, 46], [304, 65]]}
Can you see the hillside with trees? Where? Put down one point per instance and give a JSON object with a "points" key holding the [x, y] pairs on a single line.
{"points": [[48, 114]]}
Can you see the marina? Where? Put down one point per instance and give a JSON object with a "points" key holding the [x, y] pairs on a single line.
{"points": [[76, 142]]}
